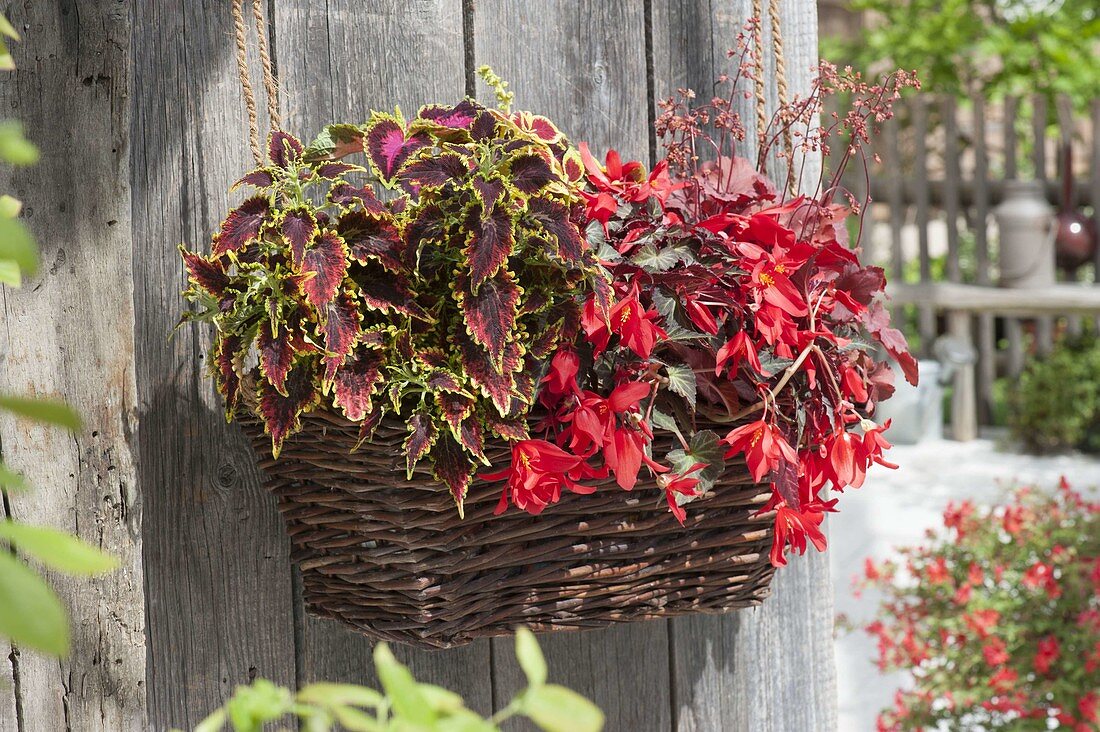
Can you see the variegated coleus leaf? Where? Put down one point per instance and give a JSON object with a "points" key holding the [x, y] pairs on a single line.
{"points": [[512, 429], [371, 237], [441, 379], [333, 170], [442, 120], [276, 355], [281, 413], [490, 312], [356, 382], [434, 171], [242, 226], [423, 433], [529, 173], [326, 259], [347, 196], [471, 438], [224, 356], [553, 219], [387, 292], [262, 178], [427, 226], [497, 383], [341, 330], [491, 241], [537, 127], [283, 149], [299, 228], [489, 192], [432, 357], [453, 468], [336, 141], [388, 147], [454, 407], [208, 274]]}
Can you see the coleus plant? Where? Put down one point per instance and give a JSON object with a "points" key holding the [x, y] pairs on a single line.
{"points": [[438, 303]]}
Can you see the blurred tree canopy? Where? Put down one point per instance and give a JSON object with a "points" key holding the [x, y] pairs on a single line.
{"points": [[992, 47]]}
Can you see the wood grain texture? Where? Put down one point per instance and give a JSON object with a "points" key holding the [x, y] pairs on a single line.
{"points": [[217, 575], [373, 57], [596, 90], [770, 668], [69, 334]]}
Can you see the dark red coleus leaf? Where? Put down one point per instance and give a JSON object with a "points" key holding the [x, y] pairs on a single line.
{"points": [[433, 171], [454, 407], [276, 355], [326, 258], [432, 357], [469, 434], [496, 382], [453, 468], [357, 381], [298, 228], [422, 435], [459, 116], [512, 429], [259, 178], [427, 225], [367, 427], [388, 148], [345, 194], [281, 413], [284, 149], [442, 380], [484, 126], [371, 237], [490, 244], [341, 330], [241, 226], [530, 173], [489, 192], [333, 170], [209, 275], [490, 313], [553, 218], [229, 382], [546, 341], [387, 291], [785, 479]]}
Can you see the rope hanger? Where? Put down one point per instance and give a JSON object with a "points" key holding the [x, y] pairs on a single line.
{"points": [[270, 84], [272, 88]]}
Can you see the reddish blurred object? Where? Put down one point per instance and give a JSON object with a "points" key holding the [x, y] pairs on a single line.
{"points": [[1075, 233]]}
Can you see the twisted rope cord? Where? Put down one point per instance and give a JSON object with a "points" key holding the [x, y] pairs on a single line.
{"points": [[758, 73], [270, 85], [246, 84], [781, 83]]}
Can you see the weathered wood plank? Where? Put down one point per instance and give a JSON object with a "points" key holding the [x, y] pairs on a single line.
{"points": [[718, 661], [598, 94], [69, 334], [987, 354], [1094, 178], [1056, 299], [218, 579], [407, 54]]}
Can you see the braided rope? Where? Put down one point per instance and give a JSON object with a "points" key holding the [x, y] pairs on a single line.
{"points": [[781, 82], [270, 85], [758, 72], [246, 84]]}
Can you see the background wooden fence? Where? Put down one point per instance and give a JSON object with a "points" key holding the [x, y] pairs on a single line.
{"points": [[942, 172], [135, 105]]}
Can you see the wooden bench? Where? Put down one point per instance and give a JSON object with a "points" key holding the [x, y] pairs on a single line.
{"points": [[959, 302]]}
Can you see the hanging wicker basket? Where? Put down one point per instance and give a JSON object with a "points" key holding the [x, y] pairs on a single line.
{"points": [[392, 558]]}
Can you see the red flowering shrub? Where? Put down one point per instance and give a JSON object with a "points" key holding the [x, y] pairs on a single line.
{"points": [[997, 619]]}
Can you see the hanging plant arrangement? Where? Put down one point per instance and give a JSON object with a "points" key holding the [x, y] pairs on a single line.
{"points": [[501, 381]]}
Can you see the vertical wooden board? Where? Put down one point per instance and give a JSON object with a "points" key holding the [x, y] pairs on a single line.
{"points": [[217, 576], [1094, 177], [337, 62], [585, 68], [9, 688], [69, 334], [583, 64], [734, 671], [624, 669]]}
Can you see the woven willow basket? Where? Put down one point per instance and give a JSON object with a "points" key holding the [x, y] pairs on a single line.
{"points": [[391, 557]]}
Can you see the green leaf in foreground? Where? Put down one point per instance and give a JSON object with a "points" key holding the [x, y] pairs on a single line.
{"points": [[57, 549], [704, 447], [17, 245], [14, 147], [31, 614], [557, 709], [530, 657], [681, 380], [50, 411], [401, 688], [11, 480]]}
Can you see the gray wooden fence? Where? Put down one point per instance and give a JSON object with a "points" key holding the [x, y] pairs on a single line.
{"points": [[136, 107]]}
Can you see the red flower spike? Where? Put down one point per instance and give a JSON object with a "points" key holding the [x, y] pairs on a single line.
{"points": [[241, 227], [490, 313], [356, 382], [490, 244], [326, 259], [276, 355]]}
